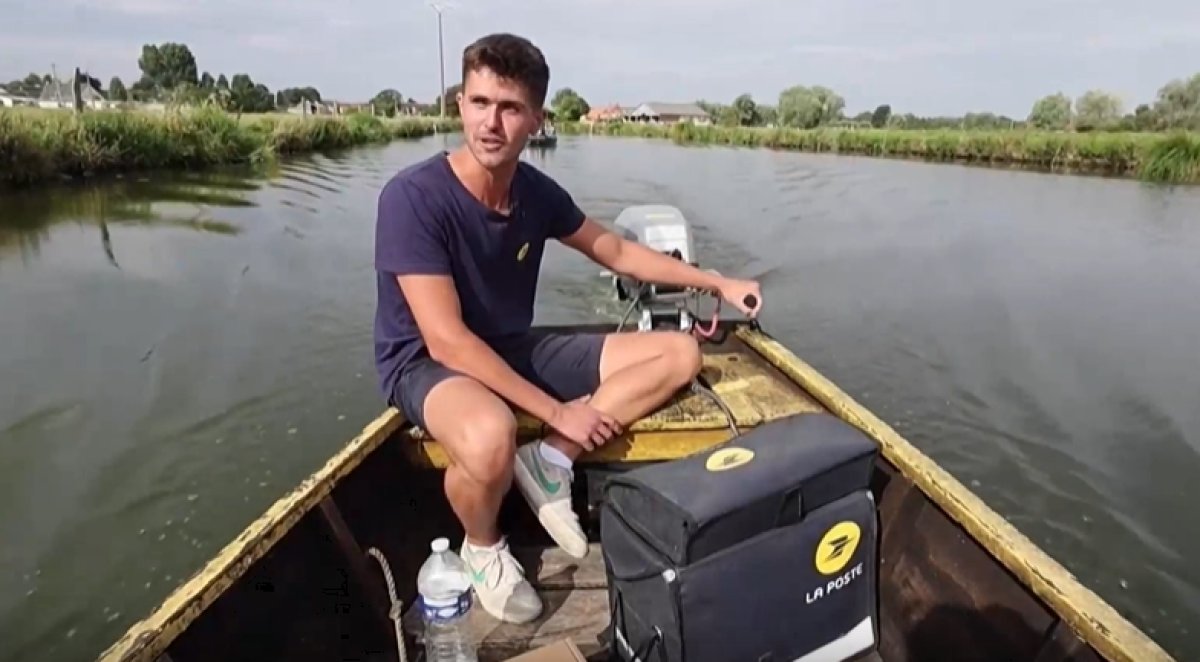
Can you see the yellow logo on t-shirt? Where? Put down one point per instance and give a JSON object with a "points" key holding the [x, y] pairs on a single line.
{"points": [[523, 252]]}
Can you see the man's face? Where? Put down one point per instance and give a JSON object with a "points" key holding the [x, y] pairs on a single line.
{"points": [[497, 117]]}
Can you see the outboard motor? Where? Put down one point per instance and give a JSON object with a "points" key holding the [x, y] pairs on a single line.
{"points": [[662, 228]]}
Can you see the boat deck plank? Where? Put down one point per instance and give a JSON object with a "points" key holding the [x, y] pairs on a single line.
{"points": [[552, 568]]}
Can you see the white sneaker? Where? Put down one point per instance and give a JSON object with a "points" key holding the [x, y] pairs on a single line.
{"points": [[547, 488], [500, 583]]}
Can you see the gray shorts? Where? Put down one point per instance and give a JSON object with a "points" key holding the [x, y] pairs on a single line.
{"points": [[564, 365]]}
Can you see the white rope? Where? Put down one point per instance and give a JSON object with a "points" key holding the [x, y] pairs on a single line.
{"points": [[395, 613]]}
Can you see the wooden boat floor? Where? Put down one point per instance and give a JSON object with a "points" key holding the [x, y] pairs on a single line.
{"points": [[575, 606], [753, 390]]}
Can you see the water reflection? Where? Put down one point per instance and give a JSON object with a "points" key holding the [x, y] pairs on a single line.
{"points": [[182, 201]]}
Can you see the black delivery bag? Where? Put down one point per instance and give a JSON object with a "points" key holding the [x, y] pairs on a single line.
{"points": [[760, 550]]}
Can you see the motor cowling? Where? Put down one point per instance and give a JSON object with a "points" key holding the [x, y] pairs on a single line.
{"points": [[662, 228]]}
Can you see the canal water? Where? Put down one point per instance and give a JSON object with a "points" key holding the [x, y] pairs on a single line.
{"points": [[177, 351]]}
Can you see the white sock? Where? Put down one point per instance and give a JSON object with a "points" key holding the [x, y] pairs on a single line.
{"points": [[486, 548], [555, 456]]}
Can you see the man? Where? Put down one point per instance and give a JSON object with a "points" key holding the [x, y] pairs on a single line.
{"points": [[459, 241]]}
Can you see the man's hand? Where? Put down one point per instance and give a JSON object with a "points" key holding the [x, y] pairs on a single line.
{"points": [[583, 424], [735, 292]]}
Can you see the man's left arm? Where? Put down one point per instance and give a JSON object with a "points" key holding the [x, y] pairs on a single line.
{"points": [[630, 258]]}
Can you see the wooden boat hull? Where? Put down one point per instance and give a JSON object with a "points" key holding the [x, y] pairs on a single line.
{"points": [[542, 141], [957, 582]]}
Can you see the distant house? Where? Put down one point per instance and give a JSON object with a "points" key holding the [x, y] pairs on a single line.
{"points": [[347, 107], [610, 113], [656, 112], [415, 108], [307, 107], [57, 94], [8, 99]]}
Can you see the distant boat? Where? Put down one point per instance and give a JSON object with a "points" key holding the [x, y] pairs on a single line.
{"points": [[545, 137]]}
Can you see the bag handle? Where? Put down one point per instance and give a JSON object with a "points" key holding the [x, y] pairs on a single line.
{"points": [[791, 507]]}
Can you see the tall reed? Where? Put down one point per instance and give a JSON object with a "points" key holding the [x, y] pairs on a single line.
{"points": [[1150, 156], [37, 145]]}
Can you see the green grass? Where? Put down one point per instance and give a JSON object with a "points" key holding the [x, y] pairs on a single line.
{"points": [[39, 145], [1174, 159], [1149, 156]]}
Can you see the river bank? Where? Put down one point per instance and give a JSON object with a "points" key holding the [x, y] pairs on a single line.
{"points": [[1158, 157], [40, 145]]}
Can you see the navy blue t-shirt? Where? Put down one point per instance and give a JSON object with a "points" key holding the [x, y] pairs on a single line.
{"points": [[429, 223]]}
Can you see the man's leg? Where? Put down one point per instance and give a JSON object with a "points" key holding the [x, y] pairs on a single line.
{"points": [[638, 373], [478, 431], [627, 376]]}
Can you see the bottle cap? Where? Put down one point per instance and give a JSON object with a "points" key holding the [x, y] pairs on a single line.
{"points": [[440, 545]]}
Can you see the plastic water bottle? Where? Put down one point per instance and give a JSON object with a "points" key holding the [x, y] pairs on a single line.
{"points": [[445, 601]]}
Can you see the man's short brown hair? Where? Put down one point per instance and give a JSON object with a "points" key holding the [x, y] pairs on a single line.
{"points": [[511, 57]]}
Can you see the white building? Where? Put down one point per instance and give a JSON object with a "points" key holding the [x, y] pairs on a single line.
{"points": [[57, 94], [656, 112]]}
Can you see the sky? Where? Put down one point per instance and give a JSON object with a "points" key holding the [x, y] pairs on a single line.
{"points": [[929, 57]]}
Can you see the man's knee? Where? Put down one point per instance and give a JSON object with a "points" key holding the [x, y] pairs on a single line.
{"points": [[476, 427], [487, 446], [684, 357]]}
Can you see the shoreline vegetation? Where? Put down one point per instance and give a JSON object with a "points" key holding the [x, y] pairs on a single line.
{"points": [[1156, 157], [39, 145], [43, 145]]}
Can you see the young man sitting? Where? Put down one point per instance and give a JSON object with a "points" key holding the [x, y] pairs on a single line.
{"points": [[459, 242]]}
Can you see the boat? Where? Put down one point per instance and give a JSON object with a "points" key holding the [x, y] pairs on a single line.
{"points": [[545, 137], [328, 571]]}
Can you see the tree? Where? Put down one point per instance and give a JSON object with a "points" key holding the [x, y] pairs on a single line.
{"points": [[206, 82], [746, 111], [144, 89], [1146, 118], [1051, 112], [30, 86], [880, 117], [1178, 104], [388, 102], [248, 97], [568, 106], [728, 116], [293, 95], [168, 65], [1097, 109], [451, 94], [116, 90], [809, 107]]}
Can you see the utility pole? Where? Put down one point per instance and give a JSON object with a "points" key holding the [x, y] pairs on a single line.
{"points": [[438, 7]]}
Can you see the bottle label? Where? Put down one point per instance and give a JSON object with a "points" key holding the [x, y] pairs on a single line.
{"points": [[443, 610]]}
